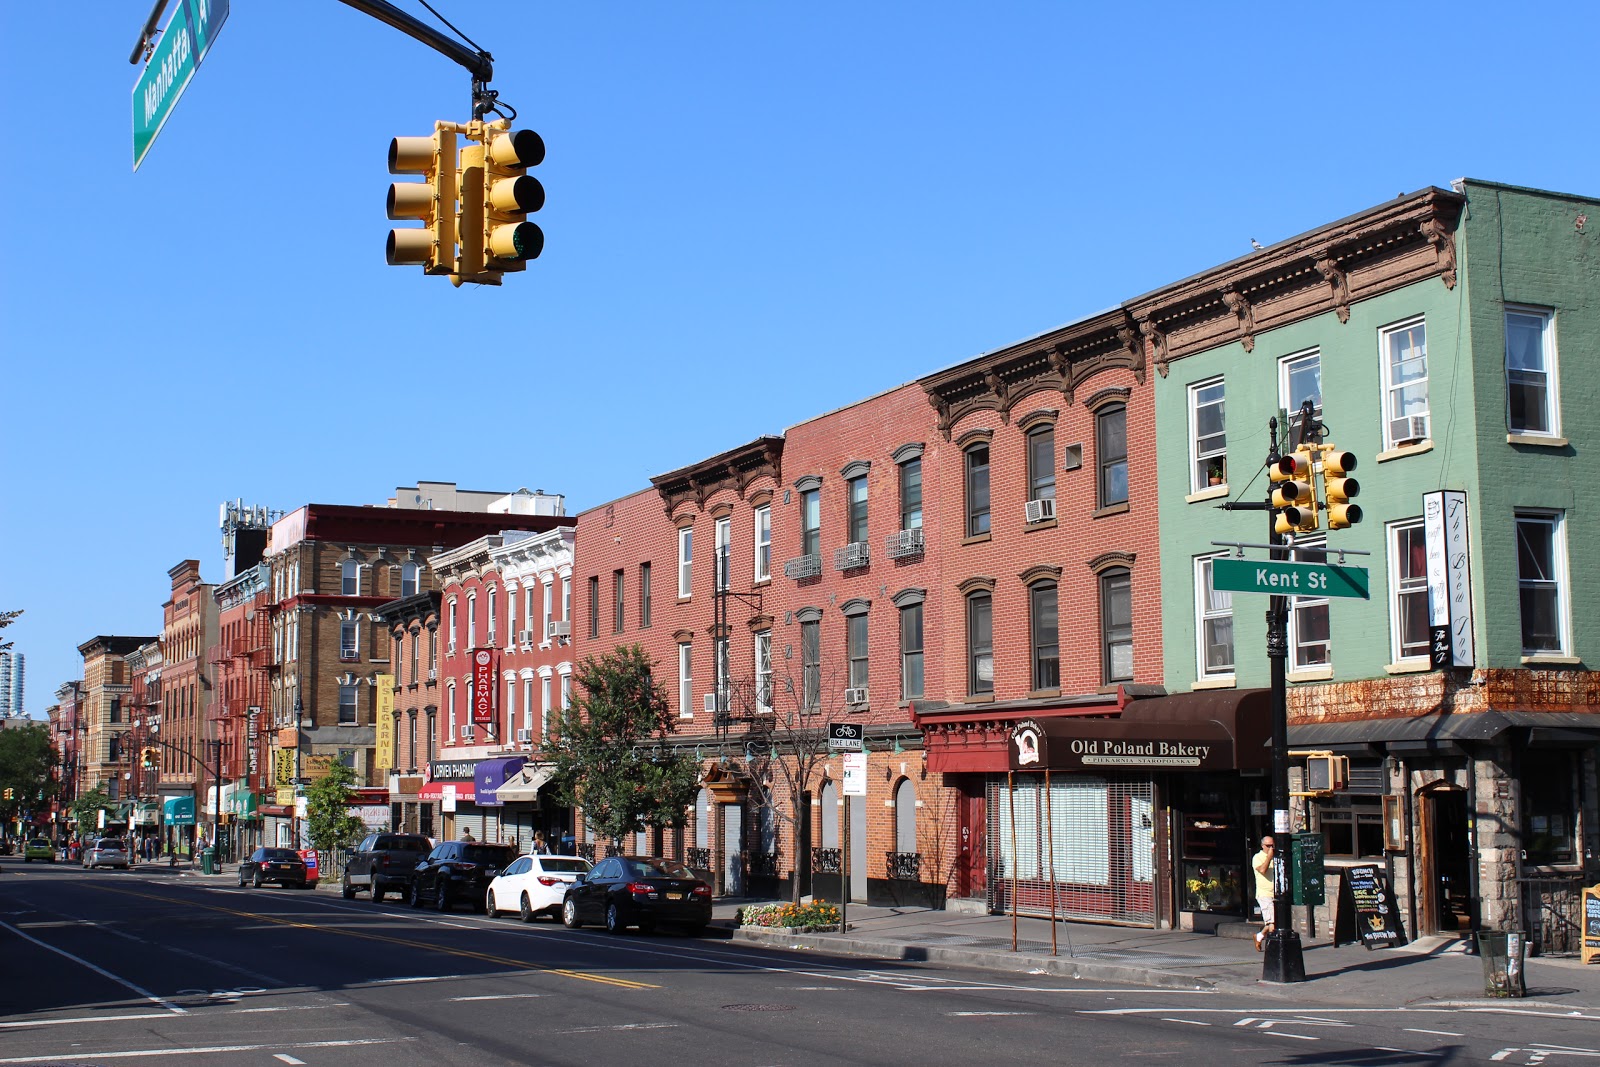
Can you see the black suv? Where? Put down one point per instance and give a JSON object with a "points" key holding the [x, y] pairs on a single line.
{"points": [[458, 870], [381, 862]]}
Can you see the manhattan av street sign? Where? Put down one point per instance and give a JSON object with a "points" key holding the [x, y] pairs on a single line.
{"points": [[184, 43], [1289, 579]]}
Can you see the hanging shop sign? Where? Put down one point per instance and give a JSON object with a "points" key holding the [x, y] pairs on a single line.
{"points": [[483, 688], [1444, 532], [384, 721]]}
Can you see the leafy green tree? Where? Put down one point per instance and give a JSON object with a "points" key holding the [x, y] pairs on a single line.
{"points": [[86, 808], [26, 761], [609, 756], [328, 820], [6, 619]]}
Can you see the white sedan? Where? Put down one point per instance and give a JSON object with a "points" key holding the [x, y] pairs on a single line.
{"points": [[534, 885]]}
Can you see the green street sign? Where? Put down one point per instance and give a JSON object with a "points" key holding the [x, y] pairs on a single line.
{"points": [[1289, 579], [184, 43]]}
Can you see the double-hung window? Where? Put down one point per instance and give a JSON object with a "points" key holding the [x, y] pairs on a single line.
{"points": [[763, 543], [1310, 638], [686, 681], [1111, 452], [855, 649], [685, 561], [1541, 582], [618, 609], [544, 612], [349, 639], [1531, 402], [980, 644], [472, 620], [408, 578], [811, 522], [1208, 438], [763, 667], [723, 538], [1405, 382], [856, 494], [347, 705], [594, 605], [1116, 625], [1213, 622], [911, 494], [1042, 463], [1046, 636], [491, 597], [350, 578], [644, 595], [811, 665], [911, 651], [1299, 380], [1408, 591], [977, 464]]}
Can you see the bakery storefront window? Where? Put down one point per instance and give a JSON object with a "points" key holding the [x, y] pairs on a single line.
{"points": [[1212, 845]]}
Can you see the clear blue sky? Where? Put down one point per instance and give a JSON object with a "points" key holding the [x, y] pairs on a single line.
{"points": [[757, 212]]}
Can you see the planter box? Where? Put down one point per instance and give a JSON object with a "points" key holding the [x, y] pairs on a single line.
{"points": [[831, 929]]}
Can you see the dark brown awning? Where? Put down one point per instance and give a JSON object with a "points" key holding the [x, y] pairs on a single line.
{"points": [[1225, 730]]}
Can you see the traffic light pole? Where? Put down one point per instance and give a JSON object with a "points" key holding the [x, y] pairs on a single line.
{"points": [[479, 63], [1283, 960]]}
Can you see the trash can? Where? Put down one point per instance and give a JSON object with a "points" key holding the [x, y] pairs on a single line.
{"points": [[208, 861], [1503, 953]]}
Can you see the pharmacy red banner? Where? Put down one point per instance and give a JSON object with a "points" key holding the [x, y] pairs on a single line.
{"points": [[483, 688]]}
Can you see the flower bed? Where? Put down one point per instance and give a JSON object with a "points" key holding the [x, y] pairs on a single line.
{"points": [[794, 918]]}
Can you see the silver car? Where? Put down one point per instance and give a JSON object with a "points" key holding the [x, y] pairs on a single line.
{"points": [[106, 852]]}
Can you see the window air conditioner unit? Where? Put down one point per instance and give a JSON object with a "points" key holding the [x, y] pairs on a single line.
{"points": [[807, 566], [349, 655], [524, 735], [433, 674], [855, 554], [1040, 510], [904, 543], [1409, 428], [490, 641], [714, 703], [560, 627], [855, 696], [526, 638], [450, 649], [466, 733]]}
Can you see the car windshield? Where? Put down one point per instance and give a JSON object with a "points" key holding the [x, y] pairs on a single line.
{"points": [[489, 855], [659, 869], [39, 842], [109, 843], [277, 855], [562, 865], [404, 844]]}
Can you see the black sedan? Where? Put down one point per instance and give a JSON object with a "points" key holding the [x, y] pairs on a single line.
{"points": [[458, 871], [642, 891], [281, 865]]}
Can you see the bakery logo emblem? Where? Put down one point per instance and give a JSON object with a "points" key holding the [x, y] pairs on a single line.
{"points": [[1025, 742]]}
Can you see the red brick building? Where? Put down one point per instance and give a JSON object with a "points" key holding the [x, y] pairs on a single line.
{"points": [[241, 704]]}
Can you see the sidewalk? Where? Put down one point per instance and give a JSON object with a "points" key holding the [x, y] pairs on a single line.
{"points": [[1431, 971]]}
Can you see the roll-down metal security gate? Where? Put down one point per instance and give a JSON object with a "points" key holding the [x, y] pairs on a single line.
{"points": [[1088, 843]]}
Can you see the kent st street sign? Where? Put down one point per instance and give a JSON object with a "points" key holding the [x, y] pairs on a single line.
{"points": [[1289, 579], [184, 43]]}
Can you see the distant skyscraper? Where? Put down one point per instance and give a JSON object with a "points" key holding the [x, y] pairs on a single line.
{"points": [[11, 684]]}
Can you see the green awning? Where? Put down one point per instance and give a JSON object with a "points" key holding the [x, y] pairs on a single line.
{"points": [[178, 811]]}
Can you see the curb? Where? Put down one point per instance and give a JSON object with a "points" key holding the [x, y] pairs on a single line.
{"points": [[1056, 966]]}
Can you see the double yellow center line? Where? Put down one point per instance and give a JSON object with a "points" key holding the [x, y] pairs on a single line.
{"points": [[366, 935]]}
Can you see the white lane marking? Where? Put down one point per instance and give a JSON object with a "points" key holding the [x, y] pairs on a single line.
{"points": [[1437, 1033], [609, 1029], [1566, 1048], [212, 1049], [983, 1014], [1186, 1022], [421, 978], [145, 993], [87, 1019], [501, 996], [286, 1058], [1297, 1037]]}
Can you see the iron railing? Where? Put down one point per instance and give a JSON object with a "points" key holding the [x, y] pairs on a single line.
{"points": [[905, 866], [763, 864], [826, 861], [585, 849], [699, 858]]}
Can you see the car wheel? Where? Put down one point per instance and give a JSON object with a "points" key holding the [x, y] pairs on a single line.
{"points": [[258, 883], [442, 901], [525, 909], [377, 892], [488, 906], [241, 878], [569, 914], [614, 923], [347, 890], [415, 896]]}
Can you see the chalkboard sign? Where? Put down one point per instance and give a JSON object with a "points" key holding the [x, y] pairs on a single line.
{"points": [[1591, 924], [1367, 910]]}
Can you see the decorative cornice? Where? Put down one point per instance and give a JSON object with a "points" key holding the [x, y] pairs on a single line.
{"points": [[735, 469], [1062, 360], [1405, 241], [1107, 560]]}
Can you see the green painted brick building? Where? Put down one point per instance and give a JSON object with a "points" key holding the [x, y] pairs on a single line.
{"points": [[1450, 339]]}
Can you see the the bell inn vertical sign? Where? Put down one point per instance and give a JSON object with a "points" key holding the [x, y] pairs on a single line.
{"points": [[1444, 529]]}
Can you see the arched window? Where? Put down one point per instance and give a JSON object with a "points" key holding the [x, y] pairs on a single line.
{"points": [[408, 578], [905, 816], [980, 644], [1046, 635], [350, 578]]}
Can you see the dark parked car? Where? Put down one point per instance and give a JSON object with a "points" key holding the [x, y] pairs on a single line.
{"points": [[281, 865], [641, 891], [456, 871], [382, 862]]}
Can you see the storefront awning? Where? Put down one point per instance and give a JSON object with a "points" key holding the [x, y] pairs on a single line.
{"points": [[178, 811], [524, 786], [490, 774], [1225, 730], [1443, 730], [435, 790]]}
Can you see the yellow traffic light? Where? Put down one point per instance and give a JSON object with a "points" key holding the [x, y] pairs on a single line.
{"points": [[432, 200], [1294, 497], [496, 197], [1339, 488]]}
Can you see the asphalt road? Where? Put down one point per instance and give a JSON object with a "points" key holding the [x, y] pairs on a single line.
{"points": [[109, 967]]}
